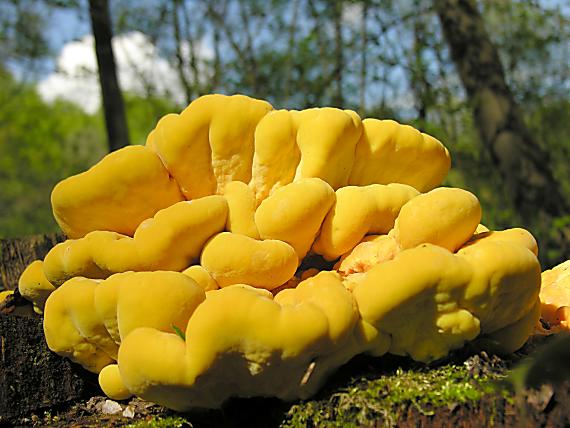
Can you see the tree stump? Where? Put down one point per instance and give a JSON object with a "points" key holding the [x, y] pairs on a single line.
{"points": [[17, 253], [31, 376]]}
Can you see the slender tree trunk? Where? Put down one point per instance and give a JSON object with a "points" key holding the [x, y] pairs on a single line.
{"points": [[180, 60], [320, 85], [290, 51], [523, 164], [217, 66], [250, 56], [418, 69], [338, 98], [192, 38], [113, 106], [363, 57]]}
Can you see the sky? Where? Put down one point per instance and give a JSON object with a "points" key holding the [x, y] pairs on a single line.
{"points": [[72, 74], [139, 65]]}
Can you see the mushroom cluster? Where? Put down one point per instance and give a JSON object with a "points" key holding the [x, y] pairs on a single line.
{"points": [[246, 251], [555, 297]]}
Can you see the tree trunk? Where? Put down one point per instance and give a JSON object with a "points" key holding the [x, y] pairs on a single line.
{"points": [[523, 164], [418, 68], [363, 58], [180, 60], [291, 46], [32, 377], [113, 106], [337, 76], [17, 253]]}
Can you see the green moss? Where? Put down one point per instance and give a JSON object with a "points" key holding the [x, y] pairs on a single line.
{"points": [[162, 422], [387, 395]]}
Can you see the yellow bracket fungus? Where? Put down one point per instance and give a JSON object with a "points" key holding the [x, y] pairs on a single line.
{"points": [[360, 211], [555, 297], [171, 240], [34, 285], [231, 258], [117, 194], [199, 266]]}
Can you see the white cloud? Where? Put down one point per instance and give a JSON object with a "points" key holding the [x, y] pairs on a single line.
{"points": [[352, 14], [141, 70]]}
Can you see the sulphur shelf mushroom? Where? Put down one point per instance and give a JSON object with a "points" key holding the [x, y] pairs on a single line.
{"points": [[188, 276], [555, 297]]}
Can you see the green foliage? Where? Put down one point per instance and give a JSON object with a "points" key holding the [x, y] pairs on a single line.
{"points": [[143, 113], [40, 144]]}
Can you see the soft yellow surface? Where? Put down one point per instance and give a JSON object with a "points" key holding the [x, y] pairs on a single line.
{"points": [[300, 330], [117, 194], [202, 277], [4, 294], [34, 286], [210, 143], [161, 300], [235, 259], [327, 139], [241, 204], [444, 216], [392, 153], [447, 299], [264, 189], [86, 319], [503, 288], [555, 296], [294, 213], [336, 146], [172, 240], [74, 329], [276, 154], [359, 211], [308, 331], [371, 251], [512, 337], [111, 383], [516, 235], [414, 299]]}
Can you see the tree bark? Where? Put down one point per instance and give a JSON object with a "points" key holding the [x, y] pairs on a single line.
{"points": [[337, 75], [113, 105], [32, 377], [522, 163], [363, 57], [291, 46], [180, 60], [17, 253]]}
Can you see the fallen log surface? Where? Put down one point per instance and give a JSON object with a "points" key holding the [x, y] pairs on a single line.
{"points": [[17, 253], [31, 376]]}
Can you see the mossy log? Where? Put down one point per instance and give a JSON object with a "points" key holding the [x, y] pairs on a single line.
{"points": [[17, 253]]}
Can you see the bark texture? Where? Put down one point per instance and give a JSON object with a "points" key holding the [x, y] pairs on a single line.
{"points": [[521, 161], [31, 376], [113, 105], [16, 254]]}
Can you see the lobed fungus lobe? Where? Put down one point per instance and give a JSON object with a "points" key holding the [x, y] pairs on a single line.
{"points": [[186, 280]]}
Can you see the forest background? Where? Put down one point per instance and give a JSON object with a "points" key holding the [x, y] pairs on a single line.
{"points": [[489, 78]]}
